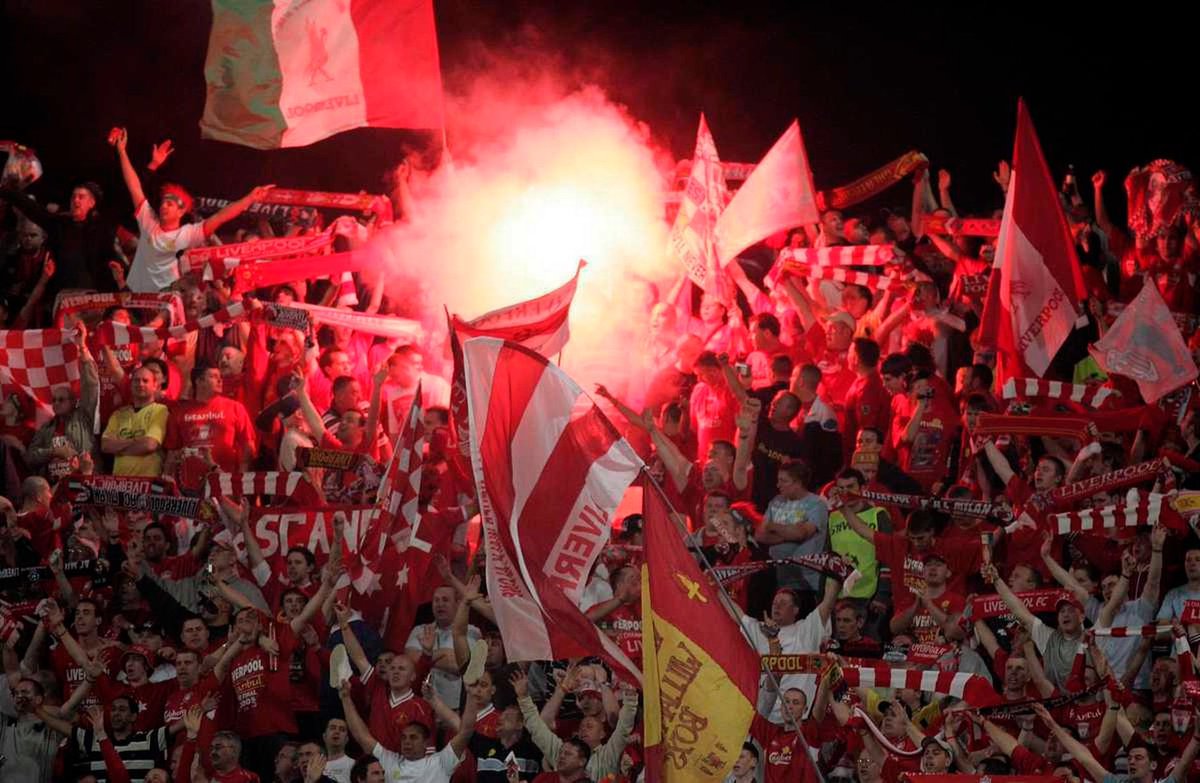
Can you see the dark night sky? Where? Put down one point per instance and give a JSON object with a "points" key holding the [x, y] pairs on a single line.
{"points": [[866, 86]]}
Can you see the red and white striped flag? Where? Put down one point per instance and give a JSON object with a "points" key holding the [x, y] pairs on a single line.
{"points": [[34, 361], [1031, 304], [541, 324], [693, 239], [400, 487], [396, 503], [777, 195], [550, 470]]}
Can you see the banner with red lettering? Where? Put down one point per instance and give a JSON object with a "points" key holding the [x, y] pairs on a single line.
{"points": [[985, 607]]}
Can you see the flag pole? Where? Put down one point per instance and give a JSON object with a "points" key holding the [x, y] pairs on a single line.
{"points": [[728, 603]]}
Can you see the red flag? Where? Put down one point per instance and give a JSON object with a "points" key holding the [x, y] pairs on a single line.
{"points": [[1145, 344], [408, 574], [395, 501], [540, 324], [778, 195], [1032, 297], [550, 470]]}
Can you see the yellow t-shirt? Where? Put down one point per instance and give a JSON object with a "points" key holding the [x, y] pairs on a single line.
{"points": [[148, 422]]}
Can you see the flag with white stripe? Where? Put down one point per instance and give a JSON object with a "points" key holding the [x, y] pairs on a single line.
{"points": [[1032, 301], [550, 470]]}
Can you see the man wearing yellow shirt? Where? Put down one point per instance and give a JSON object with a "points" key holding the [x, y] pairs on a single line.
{"points": [[135, 433]]}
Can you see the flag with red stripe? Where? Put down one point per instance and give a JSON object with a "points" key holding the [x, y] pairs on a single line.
{"points": [[550, 470], [540, 323], [1032, 301]]}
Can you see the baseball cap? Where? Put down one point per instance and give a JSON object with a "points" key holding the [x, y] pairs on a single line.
{"points": [[1070, 600], [941, 743], [841, 317], [139, 649], [936, 554]]}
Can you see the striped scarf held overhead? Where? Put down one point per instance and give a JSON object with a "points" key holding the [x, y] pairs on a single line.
{"points": [[115, 334], [1094, 396], [1138, 509], [843, 255], [1129, 631], [971, 688], [1052, 426], [841, 275], [235, 486]]}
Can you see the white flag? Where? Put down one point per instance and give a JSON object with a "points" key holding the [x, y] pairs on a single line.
{"points": [[778, 195]]}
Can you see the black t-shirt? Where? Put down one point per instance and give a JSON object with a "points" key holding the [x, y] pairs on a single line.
{"points": [[669, 385], [765, 396], [772, 448], [490, 755]]}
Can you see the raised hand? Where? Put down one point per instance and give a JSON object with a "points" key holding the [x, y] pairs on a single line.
{"points": [[1098, 179], [428, 638], [520, 683], [159, 154], [260, 192], [471, 592], [1047, 543], [316, 768], [119, 138], [943, 179], [192, 720], [1158, 537], [1002, 175], [95, 715], [602, 391]]}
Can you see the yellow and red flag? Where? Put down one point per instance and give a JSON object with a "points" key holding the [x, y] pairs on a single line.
{"points": [[700, 674]]}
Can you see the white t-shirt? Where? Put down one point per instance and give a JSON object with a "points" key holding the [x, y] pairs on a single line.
{"points": [[448, 686], [432, 769], [339, 769], [154, 264], [802, 637]]}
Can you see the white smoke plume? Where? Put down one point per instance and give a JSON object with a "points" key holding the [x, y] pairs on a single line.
{"points": [[542, 176]]}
